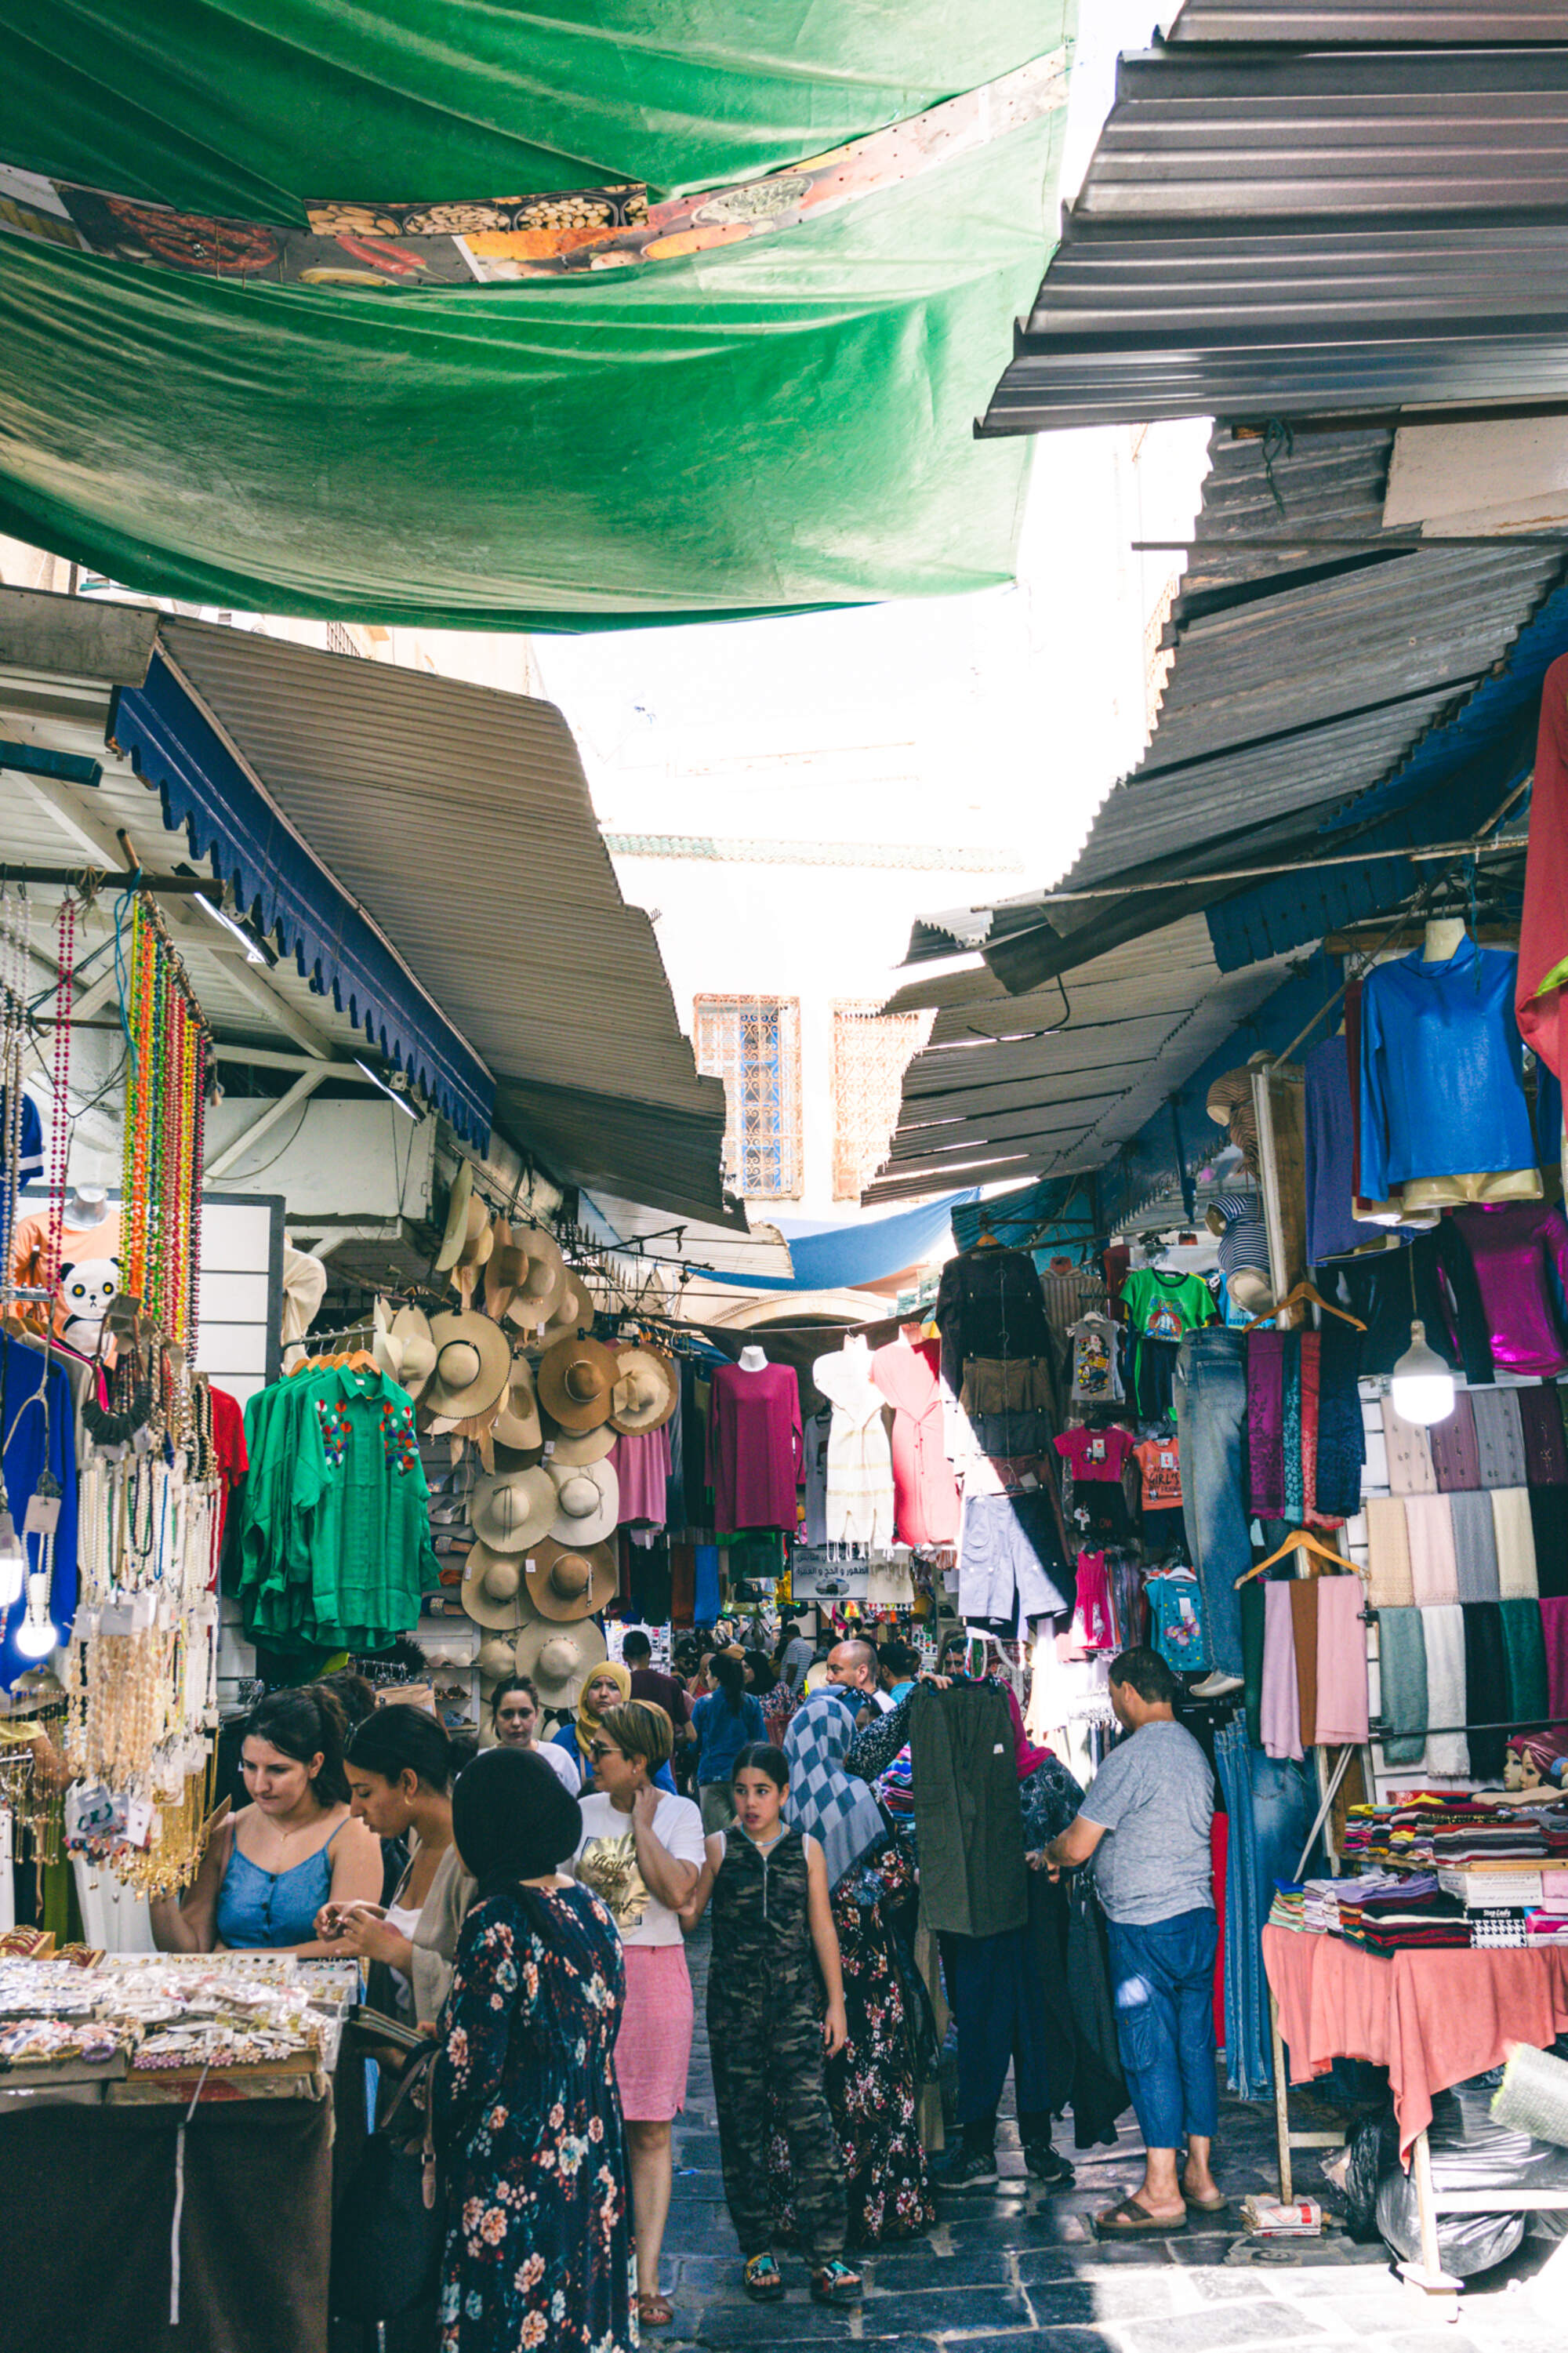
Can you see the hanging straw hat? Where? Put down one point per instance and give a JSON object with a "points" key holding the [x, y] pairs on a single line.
{"points": [[524, 1278], [645, 1392], [573, 1310], [472, 1368], [560, 1659], [576, 1446], [576, 1383], [496, 1659], [492, 1591], [572, 1581], [514, 1510], [517, 1424], [457, 1203], [403, 1347], [588, 1498]]}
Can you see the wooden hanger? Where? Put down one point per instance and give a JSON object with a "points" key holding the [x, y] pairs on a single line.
{"points": [[1303, 1540], [1294, 1297]]}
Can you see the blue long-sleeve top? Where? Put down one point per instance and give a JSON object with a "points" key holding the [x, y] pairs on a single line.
{"points": [[24, 1458], [1442, 1088]]}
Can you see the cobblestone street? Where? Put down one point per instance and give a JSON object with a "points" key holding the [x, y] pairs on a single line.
{"points": [[1011, 2268]]}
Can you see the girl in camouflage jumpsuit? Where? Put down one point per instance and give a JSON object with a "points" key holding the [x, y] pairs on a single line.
{"points": [[773, 1933]]}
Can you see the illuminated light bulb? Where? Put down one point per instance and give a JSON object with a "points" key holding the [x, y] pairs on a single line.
{"points": [[36, 1637], [11, 1569], [1423, 1384]]}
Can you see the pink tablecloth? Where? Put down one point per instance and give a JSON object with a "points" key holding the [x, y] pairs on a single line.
{"points": [[1431, 2018]]}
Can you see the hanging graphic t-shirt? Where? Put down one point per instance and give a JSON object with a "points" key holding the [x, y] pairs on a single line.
{"points": [[1165, 1306], [1096, 1377], [1159, 1461], [1096, 1453], [1176, 1610]]}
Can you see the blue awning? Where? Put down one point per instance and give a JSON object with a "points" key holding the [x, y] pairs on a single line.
{"points": [[843, 1257], [283, 886]]}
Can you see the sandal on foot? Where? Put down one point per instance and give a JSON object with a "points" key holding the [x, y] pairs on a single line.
{"points": [[835, 2282], [1209, 2205], [1130, 2221], [763, 2279], [655, 2311]]}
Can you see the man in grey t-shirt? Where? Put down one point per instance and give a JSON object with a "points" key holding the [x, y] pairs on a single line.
{"points": [[1146, 1822]]}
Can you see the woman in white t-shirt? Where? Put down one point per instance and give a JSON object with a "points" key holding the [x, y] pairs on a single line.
{"points": [[641, 1852]]}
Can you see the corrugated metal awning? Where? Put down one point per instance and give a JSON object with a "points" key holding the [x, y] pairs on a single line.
{"points": [[459, 818], [1090, 1065], [1281, 229], [1333, 688]]}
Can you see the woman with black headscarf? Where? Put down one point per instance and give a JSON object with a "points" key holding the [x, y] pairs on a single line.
{"points": [[526, 2117]]}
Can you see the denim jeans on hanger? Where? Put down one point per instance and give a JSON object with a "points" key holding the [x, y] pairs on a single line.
{"points": [[1210, 1423], [1248, 2056]]}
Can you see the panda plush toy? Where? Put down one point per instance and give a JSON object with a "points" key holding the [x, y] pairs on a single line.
{"points": [[86, 1289]]}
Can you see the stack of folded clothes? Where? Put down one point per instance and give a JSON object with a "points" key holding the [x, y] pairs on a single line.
{"points": [[1416, 1916]]}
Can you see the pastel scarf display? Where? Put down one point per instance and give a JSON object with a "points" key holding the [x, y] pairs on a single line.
{"points": [[1429, 1525], [1341, 1711], [1279, 1708], [1390, 1585], [1402, 1684], [1515, 1544], [1443, 1632], [1475, 1547]]}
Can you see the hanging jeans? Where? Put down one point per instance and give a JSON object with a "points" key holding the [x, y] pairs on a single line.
{"points": [[1252, 1856], [1161, 1980], [1210, 1422], [997, 1998]]}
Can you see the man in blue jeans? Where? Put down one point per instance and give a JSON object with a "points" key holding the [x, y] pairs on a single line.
{"points": [[1146, 1821]]}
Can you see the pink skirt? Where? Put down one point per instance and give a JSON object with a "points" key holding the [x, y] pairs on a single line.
{"points": [[653, 2049]]}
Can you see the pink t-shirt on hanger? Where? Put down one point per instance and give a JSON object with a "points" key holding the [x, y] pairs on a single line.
{"points": [[1096, 1453]]}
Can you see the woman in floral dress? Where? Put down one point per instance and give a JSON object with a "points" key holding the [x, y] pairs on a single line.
{"points": [[874, 2082], [526, 2119]]}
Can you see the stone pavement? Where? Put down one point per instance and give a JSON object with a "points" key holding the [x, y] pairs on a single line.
{"points": [[1009, 2270]]}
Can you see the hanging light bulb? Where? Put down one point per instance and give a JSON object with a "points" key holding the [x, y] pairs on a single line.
{"points": [[1423, 1384], [36, 1637]]}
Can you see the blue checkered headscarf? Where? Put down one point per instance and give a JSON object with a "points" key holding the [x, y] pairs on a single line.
{"points": [[824, 1800]]}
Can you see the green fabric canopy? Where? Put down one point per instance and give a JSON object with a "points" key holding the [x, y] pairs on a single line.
{"points": [[778, 423]]}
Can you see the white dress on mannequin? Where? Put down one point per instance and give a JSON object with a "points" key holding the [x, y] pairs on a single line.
{"points": [[859, 1509]]}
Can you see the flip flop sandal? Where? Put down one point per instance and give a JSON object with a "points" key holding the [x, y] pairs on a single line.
{"points": [[655, 2311], [1130, 2221], [763, 2279], [835, 2282]]}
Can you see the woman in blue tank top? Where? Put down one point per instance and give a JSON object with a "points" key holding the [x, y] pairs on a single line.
{"points": [[271, 1867]]}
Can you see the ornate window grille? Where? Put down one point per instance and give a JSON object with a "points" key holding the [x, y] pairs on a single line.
{"points": [[753, 1043], [871, 1052]]}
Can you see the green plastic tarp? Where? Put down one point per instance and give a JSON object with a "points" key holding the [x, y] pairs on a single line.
{"points": [[780, 424]]}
